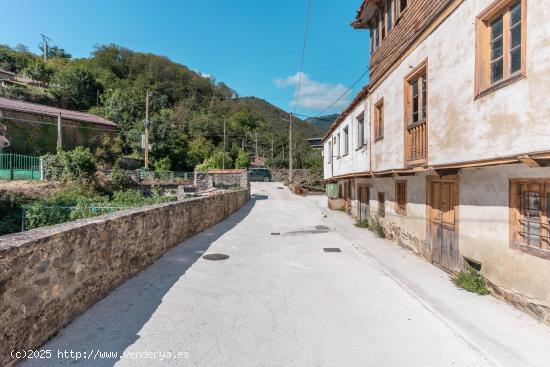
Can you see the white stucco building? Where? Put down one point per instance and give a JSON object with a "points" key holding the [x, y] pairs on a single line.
{"points": [[449, 144]]}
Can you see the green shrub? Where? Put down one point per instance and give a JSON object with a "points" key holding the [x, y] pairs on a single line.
{"points": [[471, 280], [163, 165], [52, 166], [215, 162], [243, 160], [377, 227], [11, 211], [362, 224], [120, 180], [78, 163]]}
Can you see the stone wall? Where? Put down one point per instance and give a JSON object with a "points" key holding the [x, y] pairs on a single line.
{"points": [[50, 275], [222, 179], [299, 175]]}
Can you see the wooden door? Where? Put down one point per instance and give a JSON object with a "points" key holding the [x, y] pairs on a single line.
{"points": [[363, 203], [443, 228]]}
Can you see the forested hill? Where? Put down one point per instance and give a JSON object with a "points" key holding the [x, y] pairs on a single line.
{"points": [[323, 122], [279, 119], [187, 109]]}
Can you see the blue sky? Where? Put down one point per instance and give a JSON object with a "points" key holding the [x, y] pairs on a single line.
{"points": [[253, 46]]}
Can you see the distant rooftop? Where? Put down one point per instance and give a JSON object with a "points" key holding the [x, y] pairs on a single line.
{"points": [[22, 106]]}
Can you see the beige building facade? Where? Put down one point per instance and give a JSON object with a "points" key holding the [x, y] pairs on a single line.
{"points": [[449, 144]]}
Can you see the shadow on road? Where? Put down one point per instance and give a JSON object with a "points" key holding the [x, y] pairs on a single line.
{"points": [[113, 324]]}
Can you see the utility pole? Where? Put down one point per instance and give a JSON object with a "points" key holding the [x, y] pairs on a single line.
{"points": [[290, 147], [146, 153], [223, 157], [59, 135], [256, 137]]}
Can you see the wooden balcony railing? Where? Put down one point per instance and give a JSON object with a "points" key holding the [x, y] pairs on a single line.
{"points": [[416, 143]]}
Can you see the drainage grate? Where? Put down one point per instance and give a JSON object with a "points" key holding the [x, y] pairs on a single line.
{"points": [[332, 249], [215, 257]]}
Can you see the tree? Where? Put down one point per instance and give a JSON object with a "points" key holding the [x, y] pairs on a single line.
{"points": [[38, 70], [75, 87], [199, 150], [215, 162], [243, 160]]}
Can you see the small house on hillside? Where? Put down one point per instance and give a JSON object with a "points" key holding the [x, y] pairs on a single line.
{"points": [[32, 128]]}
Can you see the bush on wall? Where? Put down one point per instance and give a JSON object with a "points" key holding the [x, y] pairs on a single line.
{"points": [[78, 163]]}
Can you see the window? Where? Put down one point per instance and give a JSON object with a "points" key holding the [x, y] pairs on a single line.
{"points": [[500, 49], [530, 207], [402, 6], [389, 17], [401, 197], [339, 147], [360, 130], [329, 152], [379, 120], [382, 26], [346, 140], [416, 115], [376, 30], [381, 205]]}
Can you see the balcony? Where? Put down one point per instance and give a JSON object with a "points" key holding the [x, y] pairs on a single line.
{"points": [[416, 144]]}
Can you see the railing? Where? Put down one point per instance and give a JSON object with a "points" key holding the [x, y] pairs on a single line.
{"points": [[417, 142], [19, 167]]}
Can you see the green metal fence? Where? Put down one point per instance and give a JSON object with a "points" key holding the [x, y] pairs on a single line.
{"points": [[19, 167]]}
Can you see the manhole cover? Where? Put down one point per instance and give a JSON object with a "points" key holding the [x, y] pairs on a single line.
{"points": [[332, 249], [215, 257]]}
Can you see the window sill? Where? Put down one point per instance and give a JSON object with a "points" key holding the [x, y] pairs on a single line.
{"points": [[378, 139], [538, 252], [502, 84], [345, 155], [360, 147], [416, 163]]}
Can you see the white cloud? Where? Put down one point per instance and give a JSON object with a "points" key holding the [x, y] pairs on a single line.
{"points": [[314, 95]]}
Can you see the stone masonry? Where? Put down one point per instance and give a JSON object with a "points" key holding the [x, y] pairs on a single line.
{"points": [[50, 275]]}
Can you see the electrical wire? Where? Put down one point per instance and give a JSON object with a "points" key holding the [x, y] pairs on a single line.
{"points": [[344, 94], [298, 89]]}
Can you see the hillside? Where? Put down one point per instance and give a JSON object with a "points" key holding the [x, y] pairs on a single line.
{"points": [[187, 110], [278, 118], [323, 122]]}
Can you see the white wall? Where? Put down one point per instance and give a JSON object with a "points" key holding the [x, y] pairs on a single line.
{"points": [[358, 158], [511, 121]]}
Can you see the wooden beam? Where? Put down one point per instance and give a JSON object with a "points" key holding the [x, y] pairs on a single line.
{"points": [[530, 162]]}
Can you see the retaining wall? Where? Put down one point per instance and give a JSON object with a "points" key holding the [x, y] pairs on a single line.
{"points": [[50, 275]]}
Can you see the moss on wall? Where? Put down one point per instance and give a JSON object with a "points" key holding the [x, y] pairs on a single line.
{"points": [[39, 138]]}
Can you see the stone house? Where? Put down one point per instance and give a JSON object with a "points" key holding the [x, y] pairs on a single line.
{"points": [[449, 143], [32, 128]]}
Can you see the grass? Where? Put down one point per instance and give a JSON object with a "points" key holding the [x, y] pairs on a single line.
{"points": [[362, 224], [471, 280], [376, 226]]}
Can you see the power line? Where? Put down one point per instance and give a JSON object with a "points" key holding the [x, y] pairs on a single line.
{"points": [[344, 94], [298, 90]]}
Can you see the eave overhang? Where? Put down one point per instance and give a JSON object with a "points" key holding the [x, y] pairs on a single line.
{"points": [[365, 14]]}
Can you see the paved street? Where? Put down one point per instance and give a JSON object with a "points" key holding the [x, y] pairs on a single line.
{"points": [[280, 300]]}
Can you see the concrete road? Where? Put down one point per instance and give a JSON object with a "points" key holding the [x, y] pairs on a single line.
{"points": [[279, 300]]}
